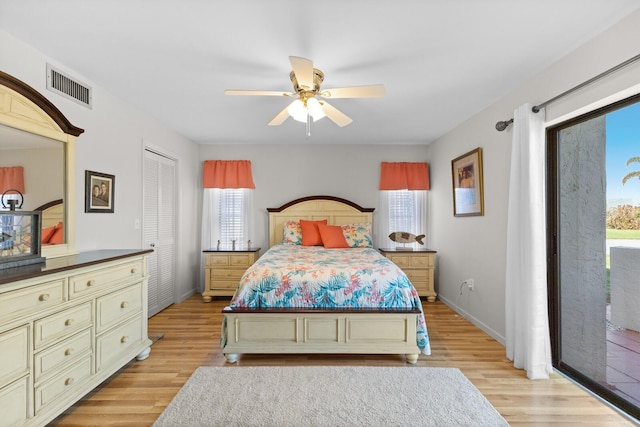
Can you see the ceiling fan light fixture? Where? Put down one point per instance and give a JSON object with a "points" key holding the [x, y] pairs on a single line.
{"points": [[315, 109], [298, 111]]}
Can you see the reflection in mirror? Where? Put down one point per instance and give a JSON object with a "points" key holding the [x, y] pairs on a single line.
{"points": [[42, 160]]}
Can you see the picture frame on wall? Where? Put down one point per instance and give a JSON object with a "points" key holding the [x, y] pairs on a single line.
{"points": [[99, 192], [468, 191]]}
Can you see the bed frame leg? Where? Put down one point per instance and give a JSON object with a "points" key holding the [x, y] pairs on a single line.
{"points": [[231, 357], [412, 358]]}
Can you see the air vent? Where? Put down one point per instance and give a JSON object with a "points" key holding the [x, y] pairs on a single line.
{"points": [[68, 87]]}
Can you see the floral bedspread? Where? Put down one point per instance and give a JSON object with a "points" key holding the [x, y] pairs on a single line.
{"points": [[315, 277]]}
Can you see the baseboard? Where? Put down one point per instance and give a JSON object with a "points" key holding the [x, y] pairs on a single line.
{"points": [[491, 332]]}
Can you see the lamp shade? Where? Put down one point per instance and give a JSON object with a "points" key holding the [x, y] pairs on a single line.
{"points": [[298, 111], [12, 178]]}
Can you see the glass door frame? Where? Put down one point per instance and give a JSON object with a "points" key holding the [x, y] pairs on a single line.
{"points": [[553, 261]]}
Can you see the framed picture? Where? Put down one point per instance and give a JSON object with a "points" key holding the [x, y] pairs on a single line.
{"points": [[468, 192], [99, 192]]}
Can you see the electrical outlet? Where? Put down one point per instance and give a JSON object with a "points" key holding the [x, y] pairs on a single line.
{"points": [[470, 284]]}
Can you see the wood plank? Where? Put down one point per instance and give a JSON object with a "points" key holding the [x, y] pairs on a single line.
{"points": [[139, 392]]}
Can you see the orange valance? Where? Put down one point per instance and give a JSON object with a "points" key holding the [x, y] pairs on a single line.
{"points": [[11, 178], [404, 176], [227, 174]]}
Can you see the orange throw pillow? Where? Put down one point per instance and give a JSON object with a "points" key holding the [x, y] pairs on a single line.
{"points": [[58, 235], [332, 236], [310, 233], [47, 233]]}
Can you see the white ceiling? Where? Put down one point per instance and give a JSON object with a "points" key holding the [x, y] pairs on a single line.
{"points": [[441, 61]]}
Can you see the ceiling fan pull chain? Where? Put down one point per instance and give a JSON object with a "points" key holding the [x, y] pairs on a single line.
{"points": [[308, 124]]}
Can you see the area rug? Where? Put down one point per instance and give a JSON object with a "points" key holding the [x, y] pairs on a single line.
{"points": [[329, 396]]}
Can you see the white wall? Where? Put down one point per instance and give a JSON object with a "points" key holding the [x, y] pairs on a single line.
{"points": [[286, 172], [113, 143], [474, 247]]}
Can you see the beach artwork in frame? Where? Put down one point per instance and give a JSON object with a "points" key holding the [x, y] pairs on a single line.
{"points": [[468, 192], [99, 192]]}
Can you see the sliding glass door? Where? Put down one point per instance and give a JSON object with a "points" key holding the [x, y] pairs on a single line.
{"points": [[594, 251]]}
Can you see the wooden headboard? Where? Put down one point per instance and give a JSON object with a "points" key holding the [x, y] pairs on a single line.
{"points": [[335, 210], [52, 213]]}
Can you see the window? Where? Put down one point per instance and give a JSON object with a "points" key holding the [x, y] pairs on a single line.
{"points": [[227, 217], [402, 210]]}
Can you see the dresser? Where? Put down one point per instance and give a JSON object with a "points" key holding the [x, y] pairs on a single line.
{"points": [[66, 325], [223, 269], [418, 265]]}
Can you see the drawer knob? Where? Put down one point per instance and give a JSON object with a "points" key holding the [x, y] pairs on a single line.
{"points": [[124, 304], [91, 282], [44, 297], [134, 270], [124, 339], [69, 322], [68, 352], [68, 381]]}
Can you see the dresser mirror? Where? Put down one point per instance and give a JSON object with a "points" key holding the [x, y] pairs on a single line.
{"points": [[34, 134]]}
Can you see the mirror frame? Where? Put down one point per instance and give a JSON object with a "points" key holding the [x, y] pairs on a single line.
{"points": [[24, 108]]}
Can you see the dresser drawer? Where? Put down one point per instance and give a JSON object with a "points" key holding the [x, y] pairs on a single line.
{"points": [[14, 403], [116, 343], [115, 307], [66, 382], [31, 299], [100, 278], [14, 354], [64, 323], [65, 352]]}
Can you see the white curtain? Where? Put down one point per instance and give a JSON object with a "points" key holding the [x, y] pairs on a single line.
{"points": [[211, 229], [401, 210], [527, 321]]}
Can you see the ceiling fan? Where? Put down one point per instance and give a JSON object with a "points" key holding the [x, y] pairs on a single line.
{"points": [[306, 82]]}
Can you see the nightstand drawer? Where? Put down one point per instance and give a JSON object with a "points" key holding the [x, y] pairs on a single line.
{"points": [[235, 260], [400, 260], [420, 261], [220, 273], [224, 284], [417, 275], [64, 323]]}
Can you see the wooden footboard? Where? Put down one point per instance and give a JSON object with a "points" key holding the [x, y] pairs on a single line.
{"points": [[364, 331]]}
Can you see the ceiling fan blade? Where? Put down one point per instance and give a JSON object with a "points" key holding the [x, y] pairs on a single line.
{"points": [[280, 117], [256, 92], [336, 116], [303, 69], [370, 91]]}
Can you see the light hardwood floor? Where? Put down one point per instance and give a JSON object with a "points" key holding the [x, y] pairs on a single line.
{"points": [[138, 393]]}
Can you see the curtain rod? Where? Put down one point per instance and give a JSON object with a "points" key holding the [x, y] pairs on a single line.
{"points": [[502, 125]]}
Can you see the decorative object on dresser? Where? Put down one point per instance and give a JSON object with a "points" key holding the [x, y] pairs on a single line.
{"points": [[468, 188], [418, 265], [20, 242], [224, 269], [66, 326], [332, 295]]}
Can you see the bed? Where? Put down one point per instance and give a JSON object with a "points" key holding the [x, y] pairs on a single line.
{"points": [[52, 222], [308, 299]]}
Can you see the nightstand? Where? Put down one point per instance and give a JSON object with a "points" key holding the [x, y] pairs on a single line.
{"points": [[418, 265], [223, 269]]}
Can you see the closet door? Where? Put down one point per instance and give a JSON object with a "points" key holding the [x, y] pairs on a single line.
{"points": [[159, 228]]}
